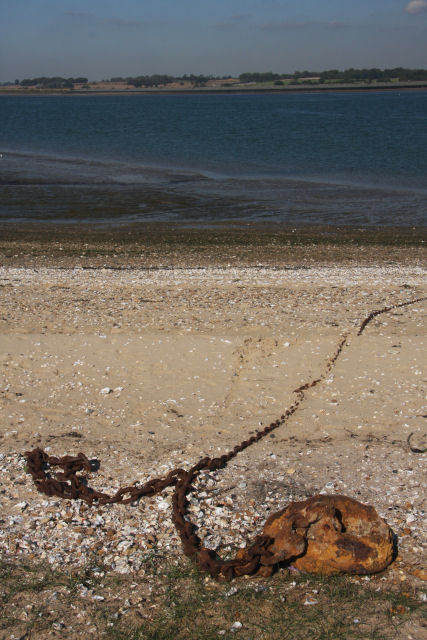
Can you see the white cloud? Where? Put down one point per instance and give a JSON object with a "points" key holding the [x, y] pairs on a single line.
{"points": [[416, 6]]}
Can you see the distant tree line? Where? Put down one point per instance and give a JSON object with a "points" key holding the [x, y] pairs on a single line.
{"points": [[334, 75], [158, 80], [155, 80], [52, 83], [379, 75], [259, 77], [399, 74]]}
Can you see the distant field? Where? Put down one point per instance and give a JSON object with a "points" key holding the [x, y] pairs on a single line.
{"points": [[228, 85]]}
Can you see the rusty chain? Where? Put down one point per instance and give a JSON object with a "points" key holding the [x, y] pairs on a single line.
{"points": [[373, 314], [68, 484]]}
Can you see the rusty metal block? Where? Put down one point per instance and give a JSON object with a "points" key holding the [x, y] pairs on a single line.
{"points": [[329, 534]]}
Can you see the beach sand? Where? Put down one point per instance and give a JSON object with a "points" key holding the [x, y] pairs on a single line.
{"points": [[149, 355]]}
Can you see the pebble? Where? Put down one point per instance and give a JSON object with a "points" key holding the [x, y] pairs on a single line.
{"points": [[310, 601], [69, 533]]}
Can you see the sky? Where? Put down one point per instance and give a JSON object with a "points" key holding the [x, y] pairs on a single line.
{"points": [[105, 38]]}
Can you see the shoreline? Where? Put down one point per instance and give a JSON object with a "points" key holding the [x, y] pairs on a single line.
{"points": [[158, 244], [225, 91]]}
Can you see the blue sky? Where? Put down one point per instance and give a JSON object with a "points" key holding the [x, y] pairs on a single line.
{"points": [[104, 38]]}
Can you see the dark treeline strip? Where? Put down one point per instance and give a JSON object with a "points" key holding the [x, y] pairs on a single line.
{"points": [[399, 74], [348, 76], [52, 83], [366, 75], [157, 80]]}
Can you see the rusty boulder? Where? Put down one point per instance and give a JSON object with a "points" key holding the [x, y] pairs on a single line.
{"points": [[329, 534]]}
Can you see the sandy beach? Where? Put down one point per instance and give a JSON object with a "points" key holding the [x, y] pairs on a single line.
{"points": [[152, 361]]}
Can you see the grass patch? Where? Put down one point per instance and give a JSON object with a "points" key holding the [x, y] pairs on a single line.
{"points": [[176, 601]]}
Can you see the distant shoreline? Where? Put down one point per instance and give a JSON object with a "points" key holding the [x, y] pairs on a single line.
{"points": [[336, 88]]}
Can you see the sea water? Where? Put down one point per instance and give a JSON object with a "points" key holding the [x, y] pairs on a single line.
{"points": [[356, 158]]}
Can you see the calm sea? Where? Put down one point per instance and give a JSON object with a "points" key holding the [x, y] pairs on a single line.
{"points": [[342, 158]]}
